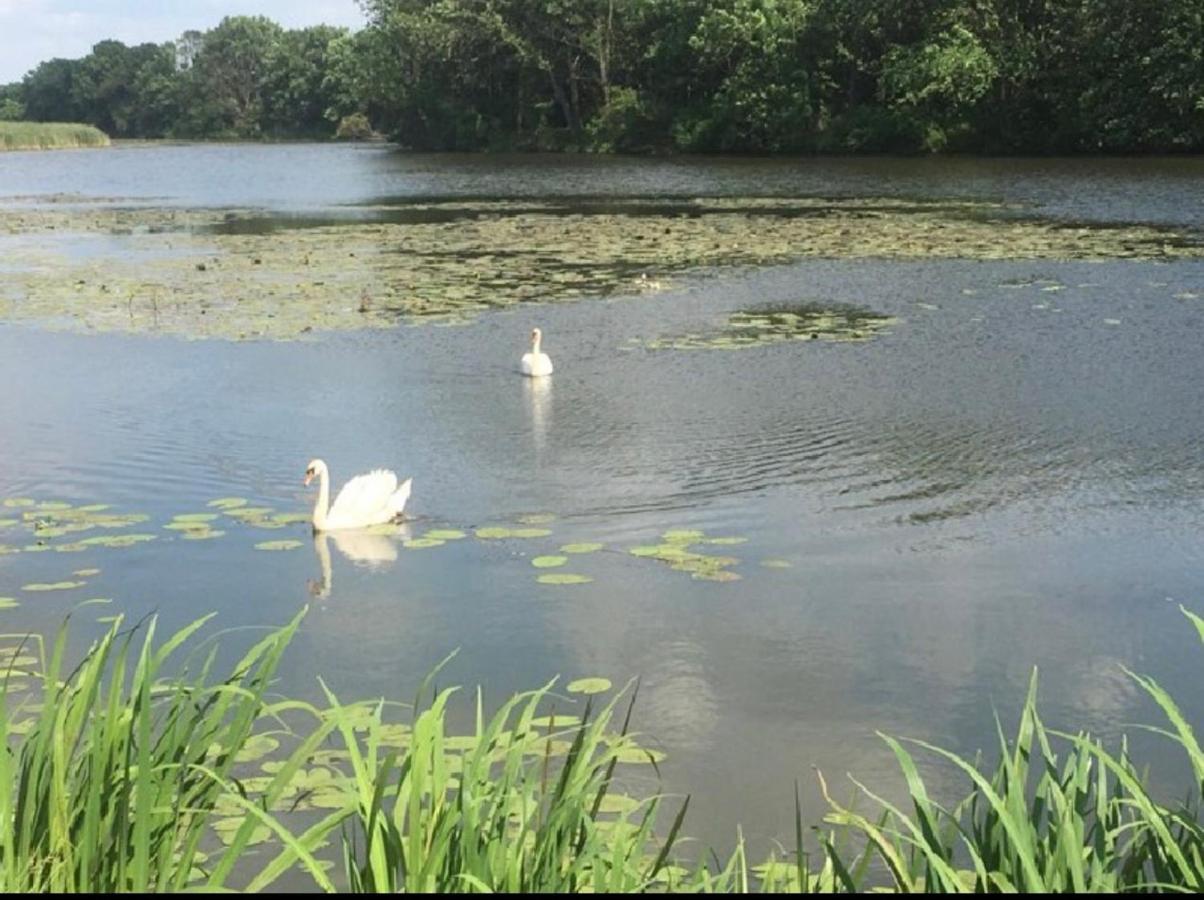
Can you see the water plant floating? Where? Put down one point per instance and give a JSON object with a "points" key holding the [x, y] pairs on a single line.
{"points": [[446, 262], [589, 686], [674, 549], [584, 547], [778, 324], [563, 578]]}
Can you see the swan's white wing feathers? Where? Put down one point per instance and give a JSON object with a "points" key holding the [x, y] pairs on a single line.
{"points": [[536, 364], [365, 498], [397, 503]]}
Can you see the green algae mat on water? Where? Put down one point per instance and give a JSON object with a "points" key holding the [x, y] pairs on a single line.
{"points": [[239, 274]]}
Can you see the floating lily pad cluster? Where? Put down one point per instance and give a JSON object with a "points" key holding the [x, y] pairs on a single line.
{"points": [[195, 526], [202, 273], [55, 525], [674, 549], [240, 510], [776, 324]]}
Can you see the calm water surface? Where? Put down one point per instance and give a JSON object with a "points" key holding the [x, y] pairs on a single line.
{"points": [[1011, 477]]}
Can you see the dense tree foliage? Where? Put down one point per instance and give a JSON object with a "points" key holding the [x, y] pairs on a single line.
{"points": [[755, 76]]}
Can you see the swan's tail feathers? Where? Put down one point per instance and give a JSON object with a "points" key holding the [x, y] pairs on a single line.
{"points": [[397, 503]]}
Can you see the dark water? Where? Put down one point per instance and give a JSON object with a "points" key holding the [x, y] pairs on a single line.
{"points": [[1012, 477]]}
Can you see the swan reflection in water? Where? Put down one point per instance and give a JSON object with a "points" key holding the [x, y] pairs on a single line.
{"points": [[539, 402], [372, 549]]}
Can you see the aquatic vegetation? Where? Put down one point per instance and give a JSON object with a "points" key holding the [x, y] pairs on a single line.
{"points": [[9, 602], [776, 324], [500, 532], [589, 686], [563, 578], [445, 534], [53, 586], [227, 502], [525, 802], [536, 519], [585, 547], [117, 540], [423, 542], [226, 274], [776, 563], [674, 550], [202, 534], [50, 136], [278, 545], [549, 562]]}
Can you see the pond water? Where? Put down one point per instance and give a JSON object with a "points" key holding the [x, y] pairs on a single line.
{"points": [[1007, 473]]}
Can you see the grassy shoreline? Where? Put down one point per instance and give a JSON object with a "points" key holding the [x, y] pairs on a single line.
{"points": [[129, 774], [50, 136]]}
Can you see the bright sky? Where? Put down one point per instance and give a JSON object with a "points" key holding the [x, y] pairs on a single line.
{"points": [[35, 30]]}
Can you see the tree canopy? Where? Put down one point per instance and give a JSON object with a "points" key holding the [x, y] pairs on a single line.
{"points": [[739, 76]]}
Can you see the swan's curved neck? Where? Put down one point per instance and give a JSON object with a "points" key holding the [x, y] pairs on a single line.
{"points": [[323, 503], [536, 339]]}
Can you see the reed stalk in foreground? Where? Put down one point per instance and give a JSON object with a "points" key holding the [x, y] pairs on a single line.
{"points": [[110, 787], [113, 781]]}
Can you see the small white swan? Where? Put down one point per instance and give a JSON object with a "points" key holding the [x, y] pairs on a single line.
{"points": [[536, 363], [371, 499]]}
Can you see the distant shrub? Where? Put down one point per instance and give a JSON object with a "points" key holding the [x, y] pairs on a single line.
{"points": [[354, 127], [49, 135]]}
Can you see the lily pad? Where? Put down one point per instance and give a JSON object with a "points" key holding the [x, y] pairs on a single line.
{"points": [[291, 518], [683, 537], [195, 517], [549, 562], [563, 578], [422, 542], [530, 532], [278, 545], [257, 747], [493, 533], [445, 534], [589, 686], [249, 512], [727, 540], [537, 519], [117, 540], [227, 503], [86, 573], [556, 721], [8, 602], [202, 534], [54, 586], [227, 828], [632, 754], [17, 502], [776, 563], [585, 547]]}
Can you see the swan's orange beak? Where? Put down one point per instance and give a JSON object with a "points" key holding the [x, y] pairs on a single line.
{"points": [[308, 477]]}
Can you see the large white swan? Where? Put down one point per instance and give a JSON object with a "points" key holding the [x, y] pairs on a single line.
{"points": [[371, 499], [536, 363]]}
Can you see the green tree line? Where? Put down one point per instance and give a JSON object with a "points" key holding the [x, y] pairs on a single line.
{"points": [[733, 76]]}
